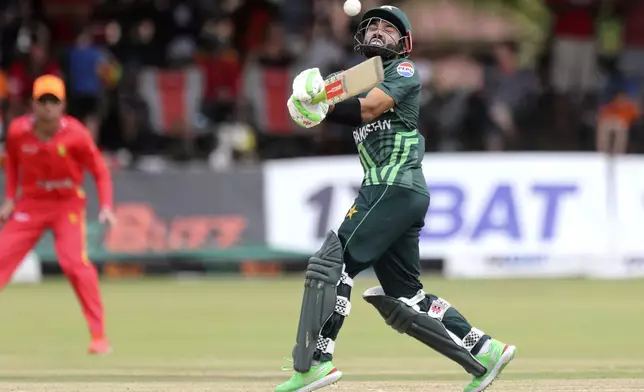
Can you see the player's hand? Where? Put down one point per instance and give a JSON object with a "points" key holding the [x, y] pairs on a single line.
{"points": [[308, 84], [106, 216], [6, 209], [306, 114]]}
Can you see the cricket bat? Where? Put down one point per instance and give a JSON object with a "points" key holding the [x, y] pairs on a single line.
{"points": [[351, 82]]}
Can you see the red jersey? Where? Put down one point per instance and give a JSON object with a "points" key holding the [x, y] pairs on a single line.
{"points": [[54, 168]]}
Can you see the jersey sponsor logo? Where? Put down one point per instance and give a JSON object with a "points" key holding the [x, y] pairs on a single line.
{"points": [[29, 148], [66, 183], [405, 69], [21, 217], [62, 151], [361, 133]]}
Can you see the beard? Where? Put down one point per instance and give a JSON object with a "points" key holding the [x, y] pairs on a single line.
{"points": [[376, 46]]}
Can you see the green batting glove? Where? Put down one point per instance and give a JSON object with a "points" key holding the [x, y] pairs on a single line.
{"points": [[308, 84], [306, 114]]}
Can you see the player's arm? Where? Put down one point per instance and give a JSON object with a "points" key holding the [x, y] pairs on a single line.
{"points": [[11, 174], [393, 89], [90, 157], [11, 165], [355, 111], [372, 106]]}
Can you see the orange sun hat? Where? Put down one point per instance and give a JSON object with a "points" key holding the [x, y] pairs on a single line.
{"points": [[49, 84]]}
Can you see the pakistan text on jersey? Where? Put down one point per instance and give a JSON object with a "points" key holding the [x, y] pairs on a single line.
{"points": [[361, 133]]}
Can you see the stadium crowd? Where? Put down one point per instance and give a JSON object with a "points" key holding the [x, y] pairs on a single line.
{"points": [[207, 81]]}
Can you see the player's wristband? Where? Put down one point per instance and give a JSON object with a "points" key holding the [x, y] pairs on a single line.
{"points": [[347, 112]]}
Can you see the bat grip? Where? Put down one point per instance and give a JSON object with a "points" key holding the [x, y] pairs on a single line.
{"points": [[320, 97]]}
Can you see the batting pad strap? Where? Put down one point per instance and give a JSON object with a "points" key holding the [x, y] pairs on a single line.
{"points": [[345, 279], [437, 308], [342, 306], [473, 337], [325, 345], [414, 301]]}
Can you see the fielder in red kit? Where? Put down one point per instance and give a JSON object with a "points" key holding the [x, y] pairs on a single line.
{"points": [[46, 154]]}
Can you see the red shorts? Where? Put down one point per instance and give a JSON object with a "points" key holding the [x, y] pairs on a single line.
{"points": [[31, 218]]}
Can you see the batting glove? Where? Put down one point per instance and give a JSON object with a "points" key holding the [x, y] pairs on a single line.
{"points": [[308, 84], [306, 114]]}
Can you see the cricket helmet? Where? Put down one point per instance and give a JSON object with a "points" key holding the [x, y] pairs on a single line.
{"points": [[401, 47]]}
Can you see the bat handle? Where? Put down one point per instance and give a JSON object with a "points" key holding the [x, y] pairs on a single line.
{"points": [[320, 97]]}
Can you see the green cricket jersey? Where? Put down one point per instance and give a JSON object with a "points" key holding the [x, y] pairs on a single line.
{"points": [[390, 147]]}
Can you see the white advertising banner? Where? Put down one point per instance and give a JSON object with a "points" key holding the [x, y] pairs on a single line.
{"points": [[305, 198], [625, 257], [477, 265], [522, 204]]}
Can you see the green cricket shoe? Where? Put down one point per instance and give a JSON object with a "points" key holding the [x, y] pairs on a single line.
{"points": [[494, 360], [319, 376]]}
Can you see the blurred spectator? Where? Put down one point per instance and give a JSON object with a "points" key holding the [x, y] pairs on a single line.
{"points": [[574, 55], [133, 117], [221, 65], [173, 98], [321, 49], [267, 81], [459, 116], [573, 66], [181, 25], [145, 49], [23, 72], [4, 88], [4, 94], [20, 27], [65, 16], [222, 68], [617, 116], [85, 85], [426, 75], [251, 20], [296, 15], [511, 92], [632, 56]]}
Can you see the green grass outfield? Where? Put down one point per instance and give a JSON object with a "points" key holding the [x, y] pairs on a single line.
{"points": [[231, 334]]}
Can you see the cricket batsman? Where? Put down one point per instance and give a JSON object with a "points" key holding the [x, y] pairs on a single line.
{"points": [[381, 230], [46, 154]]}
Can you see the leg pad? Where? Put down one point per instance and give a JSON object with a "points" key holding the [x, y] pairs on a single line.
{"points": [[320, 301], [404, 316]]}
